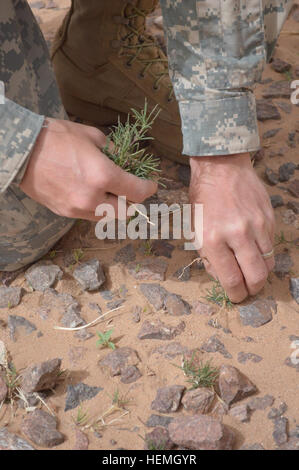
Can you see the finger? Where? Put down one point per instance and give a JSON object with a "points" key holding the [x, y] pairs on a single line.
{"points": [[264, 244], [228, 272], [122, 183], [253, 266]]}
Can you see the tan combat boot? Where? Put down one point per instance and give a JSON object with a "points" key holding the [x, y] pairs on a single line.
{"points": [[106, 64]]}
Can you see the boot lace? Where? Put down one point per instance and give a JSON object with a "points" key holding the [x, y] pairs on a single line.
{"points": [[134, 51]]}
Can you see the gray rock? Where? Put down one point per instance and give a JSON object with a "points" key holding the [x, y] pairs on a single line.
{"points": [[130, 374], [157, 420], [292, 444], [276, 201], [72, 318], [119, 360], [280, 66], [90, 275], [159, 330], [292, 137], [260, 403], [277, 412], [17, 324], [41, 428], [266, 110], [280, 434], [240, 412], [53, 300], [158, 439], [204, 309], [184, 174], [283, 264], [271, 176], [294, 206], [175, 305], [82, 441], [162, 248], [168, 399], [170, 350], [198, 400], [201, 432], [9, 441], [10, 296], [125, 254], [279, 89], [77, 393], [3, 390], [136, 314], [115, 303], [271, 133], [285, 107], [182, 274], [43, 275], [257, 313], [155, 294], [41, 376], [291, 363], [244, 357], [149, 269], [294, 288], [286, 171], [293, 188], [233, 385], [213, 344]]}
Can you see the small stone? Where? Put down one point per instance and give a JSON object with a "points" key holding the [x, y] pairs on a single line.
{"points": [[276, 201], [168, 399], [136, 314], [277, 412], [280, 434], [17, 324], [271, 133], [77, 393], [3, 391], [43, 275], [293, 206], [9, 441], [158, 439], [175, 305], [52, 300], [198, 400], [10, 296], [289, 217], [125, 254], [41, 376], [294, 288], [233, 385], [204, 309], [41, 428], [257, 313], [244, 357], [183, 274], [155, 294], [260, 403], [292, 444], [82, 441], [266, 110], [240, 412], [159, 330], [115, 304], [213, 344], [83, 335], [280, 66], [107, 294], [219, 410], [184, 174], [271, 176], [130, 374], [292, 139], [283, 265], [171, 350], [278, 89], [294, 188], [291, 363], [72, 318], [149, 269], [157, 420], [90, 275], [162, 248], [286, 171], [119, 360], [201, 432]]}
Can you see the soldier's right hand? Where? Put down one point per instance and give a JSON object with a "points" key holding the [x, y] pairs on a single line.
{"points": [[69, 174]]}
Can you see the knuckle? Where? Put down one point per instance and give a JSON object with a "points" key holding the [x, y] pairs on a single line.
{"points": [[260, 223], [233, 281], [212, 239]]}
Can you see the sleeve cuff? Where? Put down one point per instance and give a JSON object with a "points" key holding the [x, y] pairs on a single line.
{"points": [[19, 129], [220, 127]]}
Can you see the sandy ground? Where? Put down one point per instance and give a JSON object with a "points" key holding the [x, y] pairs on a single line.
{"points": [[80, 359]]}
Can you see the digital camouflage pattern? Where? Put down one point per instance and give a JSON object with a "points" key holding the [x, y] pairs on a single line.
{"points": [[217, 50]]}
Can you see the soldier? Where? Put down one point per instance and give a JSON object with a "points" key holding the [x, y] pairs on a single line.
{"points": [[52, 171]]}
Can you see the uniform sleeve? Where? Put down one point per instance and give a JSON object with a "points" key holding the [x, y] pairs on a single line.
{"points": [[217, 52], [19, 129]]}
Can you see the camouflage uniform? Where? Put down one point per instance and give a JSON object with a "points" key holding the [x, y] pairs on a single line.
{"points": [[217, 50]]}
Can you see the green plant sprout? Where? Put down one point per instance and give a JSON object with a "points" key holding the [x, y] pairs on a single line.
{"points": [[81, 418], [218, 296], [199, 375], [128, 142], [104, 340]]}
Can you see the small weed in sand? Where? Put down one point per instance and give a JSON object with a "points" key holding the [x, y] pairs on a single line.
{"points": [[148, 248], [199, 375], [81, 417], [218, 296], [282, 240], [105, 339]]}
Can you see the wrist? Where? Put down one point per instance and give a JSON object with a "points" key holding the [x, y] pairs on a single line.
{"points": [[203, 165]]}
